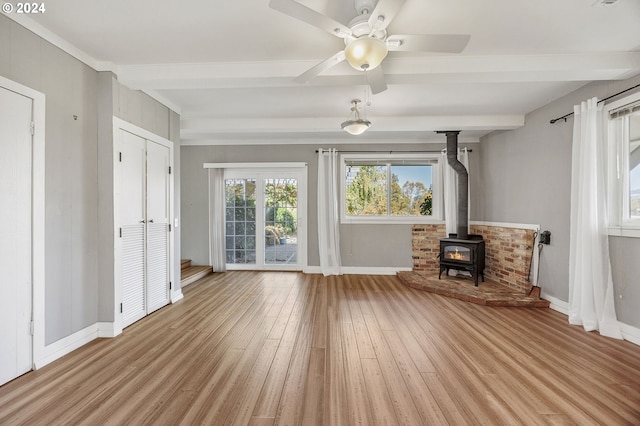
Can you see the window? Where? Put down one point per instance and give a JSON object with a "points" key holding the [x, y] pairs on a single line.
{"points": [[624, 166], [390, 189]]}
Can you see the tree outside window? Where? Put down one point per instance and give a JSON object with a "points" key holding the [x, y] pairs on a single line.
{"points": [[389, 189]]}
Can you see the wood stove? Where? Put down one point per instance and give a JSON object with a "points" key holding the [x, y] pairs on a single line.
{"points": [[461, 251], [462, 255]]}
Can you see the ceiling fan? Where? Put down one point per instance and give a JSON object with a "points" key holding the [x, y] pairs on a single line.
{"points": [[366, 40]]}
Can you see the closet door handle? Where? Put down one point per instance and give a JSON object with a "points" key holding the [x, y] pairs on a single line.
{"points": [[150, 220], [143, 221]]}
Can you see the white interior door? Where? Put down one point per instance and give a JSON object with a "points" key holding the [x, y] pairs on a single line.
{"points": [[158, 216], [145, 217], [132, 216], [16, 242]]}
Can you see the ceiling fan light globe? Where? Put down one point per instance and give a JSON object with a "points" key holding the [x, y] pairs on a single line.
{"points": [[365, 53], [356, 127]]}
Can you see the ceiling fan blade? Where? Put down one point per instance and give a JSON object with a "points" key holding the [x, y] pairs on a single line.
{"points": [[442, 43], [310, 16], [321, 67], [384, 13], [376, 80]]}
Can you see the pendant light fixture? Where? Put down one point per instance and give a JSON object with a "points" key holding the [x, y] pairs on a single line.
{"points": [[354, 124]]}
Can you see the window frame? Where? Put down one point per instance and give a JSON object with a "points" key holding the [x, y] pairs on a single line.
{"points": [[617, 133], [431, 159]]}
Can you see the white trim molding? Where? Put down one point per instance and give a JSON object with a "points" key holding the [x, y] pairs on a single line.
{"points": [[363, 270], [253, 165], [37, 214], [70, 343], [533, 227], [619, 231], [556, 304], [630, 333], [176, 295]]}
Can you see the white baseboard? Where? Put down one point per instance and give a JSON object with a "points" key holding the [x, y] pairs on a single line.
{"points": [[70, 343], [364, 270], [176, 295], [556, 304], [630, 333], [108, 330], [361, 270]]}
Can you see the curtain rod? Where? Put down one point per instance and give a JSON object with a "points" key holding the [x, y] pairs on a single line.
{"points": [[564, 117], [401, 152]]}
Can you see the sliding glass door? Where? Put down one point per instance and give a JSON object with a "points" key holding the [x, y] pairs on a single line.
{"points": [[264, 217]]}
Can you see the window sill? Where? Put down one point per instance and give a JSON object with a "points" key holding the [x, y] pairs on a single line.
{"points": [[387, 221], [618, 231]]}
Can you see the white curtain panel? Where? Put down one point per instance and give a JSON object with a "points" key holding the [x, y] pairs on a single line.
{"points": [[450, 181], [591, 302], [217, 246], [328, 217]]}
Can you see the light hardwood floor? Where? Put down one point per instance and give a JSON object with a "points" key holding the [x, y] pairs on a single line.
{"points": [[287, 348]]}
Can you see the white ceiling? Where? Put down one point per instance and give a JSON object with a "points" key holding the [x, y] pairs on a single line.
{"points": [[221, 62]]}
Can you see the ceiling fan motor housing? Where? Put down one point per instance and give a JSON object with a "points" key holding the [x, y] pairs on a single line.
{"points": [[364, 6]]}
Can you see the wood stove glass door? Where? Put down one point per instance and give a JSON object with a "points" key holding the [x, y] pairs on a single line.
{"points": [[459, 253]]}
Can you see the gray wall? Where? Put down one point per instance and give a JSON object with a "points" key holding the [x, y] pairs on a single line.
{"points": [[361, 245], [78, 172], [71, 212], [143, 111], [525, 177]]}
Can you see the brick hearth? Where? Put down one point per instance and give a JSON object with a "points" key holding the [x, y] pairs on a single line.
{"points": [[487, 293], [508, 258]]}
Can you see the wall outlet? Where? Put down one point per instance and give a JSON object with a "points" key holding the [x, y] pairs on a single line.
{"points": [[545, 237]]}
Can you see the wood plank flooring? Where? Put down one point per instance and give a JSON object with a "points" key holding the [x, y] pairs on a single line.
{"points": [[272, 348]]}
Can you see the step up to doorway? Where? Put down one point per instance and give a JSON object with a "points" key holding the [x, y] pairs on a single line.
{"points": [[191, 273]]}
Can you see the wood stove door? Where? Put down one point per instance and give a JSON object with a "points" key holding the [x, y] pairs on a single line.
{"points": [[457, 253]]}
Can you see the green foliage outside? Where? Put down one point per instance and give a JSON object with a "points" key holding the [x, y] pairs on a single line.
{"points": [[286, 219], [281, 199], [281, 193], [366, 195]]}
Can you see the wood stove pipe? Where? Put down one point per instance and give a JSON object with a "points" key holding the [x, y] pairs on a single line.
{"points": [[463, 183]]}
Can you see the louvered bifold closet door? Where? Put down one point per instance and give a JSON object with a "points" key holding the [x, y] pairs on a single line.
{"points": [[132, 212], [133, 277], [158, 214]]}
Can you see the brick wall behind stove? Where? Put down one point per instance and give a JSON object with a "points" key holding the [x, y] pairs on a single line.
{"points": [[507, 259], [426, 247]]}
